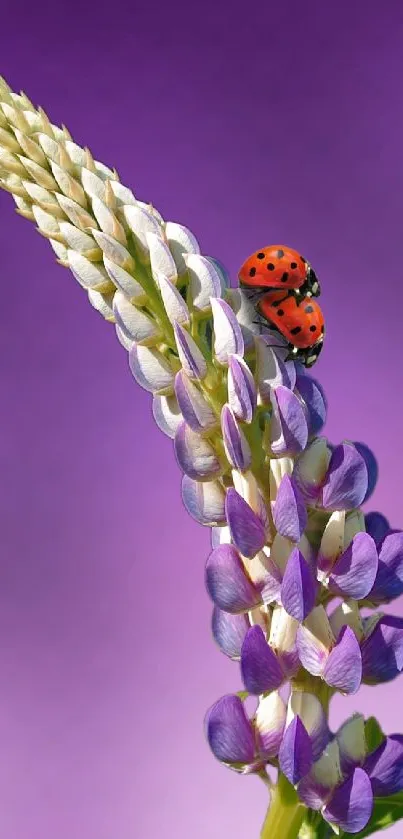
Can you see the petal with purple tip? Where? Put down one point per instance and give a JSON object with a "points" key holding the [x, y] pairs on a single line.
{"points": [[389, 579], [205, 502], [229, 632], [295, 755], [151, 370], [314, 640], [315, 789], [197, 412], [190, 356], [227, 581], [298, 590], [315, 403], [289, 512], [343, 669], [289, 430], [204, 280], [229, 731], [235, 443], [382, 651], [354, 572], [385, 766], [242, 394], [173, 301], [133, 322], [167, 414], [261, 671], [346, 481], [247, 531], [180, 241], [227, 332], [310, 711], [351, 804], [195, 455], [269, 723], [272, 371]]}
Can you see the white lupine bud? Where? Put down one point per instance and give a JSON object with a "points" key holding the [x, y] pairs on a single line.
{"points": [[47, 224], [107, 220], [38, 173], [167, 414], [68, 185], [283, 630], [355, 523], [76, 153], [153, 212], [88, 274], [151, 370], [44, 199], [351, 739], [246, 315], [270, 720], [134, 322], [93, 184], [140, 222], [173, 301], [347, 614], [204, 280], [123, 339], [162, 261], [79, 241], [11, 163], [8, 141], [50, 147], [332, 543], [278, 467], [125, 282], [227, 333], [60, 251], [102, 303], [180, 241], [114, 251], [77, 215], [122, 194], [30, 148]]}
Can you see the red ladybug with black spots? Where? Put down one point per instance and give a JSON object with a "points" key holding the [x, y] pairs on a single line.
{"points": [[299, 321], [278, 267]]}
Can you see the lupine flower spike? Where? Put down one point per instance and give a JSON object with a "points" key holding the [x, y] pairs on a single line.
{"points": [[293, 560]]}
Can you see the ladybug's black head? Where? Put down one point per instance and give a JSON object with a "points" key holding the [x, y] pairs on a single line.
{"points": [[306, 355]]}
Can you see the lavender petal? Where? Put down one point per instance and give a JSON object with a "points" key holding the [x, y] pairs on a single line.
{"points": [[229, 632], [389, 579], [190, 356], [289, 430], [235, 443], [227, 581], [205, 502], [204, 280], [377, 526], [385, 767], [354, 572], [289, 512], [166, 414], [242, 396], [343, 669], [382, 651], [260, 669], [272, 371], [228, 338], [247, 530], [229, 731], [195, 409], [315, 403], [151, 370], [195, 455], [346, 481], [298, 590], [310, 711], [351, 804], [295, 755], [372, 467]]}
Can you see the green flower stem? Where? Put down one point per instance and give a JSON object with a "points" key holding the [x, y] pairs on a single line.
{"points": [[285, 814]]}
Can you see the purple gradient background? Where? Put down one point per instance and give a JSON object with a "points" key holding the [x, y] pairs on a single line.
{"points": [[278, 122]]}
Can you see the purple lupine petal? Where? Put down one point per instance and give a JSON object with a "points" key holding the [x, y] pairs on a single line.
{"points": [[351, 741], [227, 581], [376, 525], [205, 502], [269, 723], [315, 402], [247, 531], [222, 272], [235, 443], [314, 640], [343, 669], [195, 409], [289, 430], [167, 414], [260, 669], [229, 632], [245, 314], [295, 754], [298, 590], [220, 536], [190, 356], [346, 481], [354, 572], [385, 766], [229, 731], [351, 804], [228, 338], [382, 651], [310, 711], [204, 280], [151, 369], [310, 469], [389, 579], [195, 455], [289, 511], [242, 396], [267, 576], [372, 467], [271, 371]]}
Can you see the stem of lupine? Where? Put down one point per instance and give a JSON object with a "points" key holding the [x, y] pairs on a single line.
{"points": [[285, 814]]}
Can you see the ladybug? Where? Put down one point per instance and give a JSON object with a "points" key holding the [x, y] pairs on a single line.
{"points": [[299, 321], [278, 266]]}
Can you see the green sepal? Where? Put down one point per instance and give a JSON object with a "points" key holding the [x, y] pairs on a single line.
{"points": [[374, 735]]}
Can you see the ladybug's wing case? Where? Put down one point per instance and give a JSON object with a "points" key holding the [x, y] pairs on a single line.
{"points": [[302, 324], [274, 267]]}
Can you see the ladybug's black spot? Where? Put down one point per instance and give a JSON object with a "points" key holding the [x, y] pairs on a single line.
{"points": [[252, 272], [280, 253], [309, 309], [284, 278], [295, 330], [312, 328], [293, 265], [270, 266], [280, 312], [260, 255]]}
